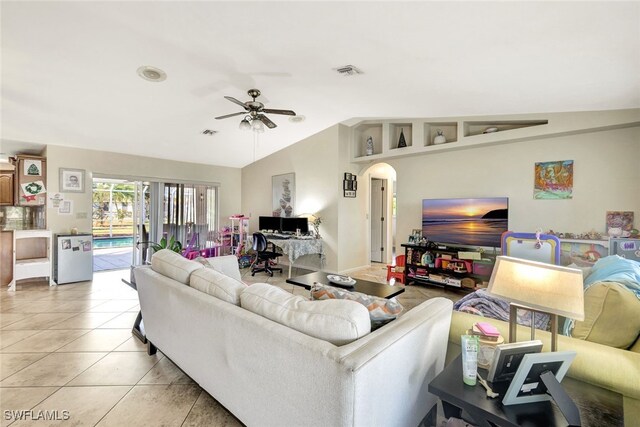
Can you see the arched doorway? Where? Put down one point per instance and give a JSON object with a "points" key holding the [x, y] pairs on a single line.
{"points": [[381, 178]]}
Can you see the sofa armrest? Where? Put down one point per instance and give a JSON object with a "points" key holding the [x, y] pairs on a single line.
{"points": [[608, 367], [396, 363]]}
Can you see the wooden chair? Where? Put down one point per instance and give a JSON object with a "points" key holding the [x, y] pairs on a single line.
{"points": [[396, 271]]}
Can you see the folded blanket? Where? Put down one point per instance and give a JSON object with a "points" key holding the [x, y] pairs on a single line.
{"points": [[496, 308], [614, 268], [611, 268]]}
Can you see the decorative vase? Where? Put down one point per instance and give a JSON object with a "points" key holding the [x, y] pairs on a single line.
{"points": [[369, 146], [402, 142], [439, 138]]}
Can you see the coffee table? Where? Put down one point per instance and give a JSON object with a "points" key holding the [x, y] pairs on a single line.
{"points": [[363, 286]]}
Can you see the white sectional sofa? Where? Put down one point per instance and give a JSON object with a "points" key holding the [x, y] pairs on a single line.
{"points": [[268, 373]]}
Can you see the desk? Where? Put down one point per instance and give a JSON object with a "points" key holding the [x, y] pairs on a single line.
{"points": [[597, 406], [295, 248]]}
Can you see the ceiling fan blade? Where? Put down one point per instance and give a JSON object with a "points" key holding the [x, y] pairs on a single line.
{"points": [[231, 115], [235, 101], [264, 119], [285, 112]]}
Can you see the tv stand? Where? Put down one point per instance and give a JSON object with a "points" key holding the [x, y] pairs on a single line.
{"points": [[440, 265]]}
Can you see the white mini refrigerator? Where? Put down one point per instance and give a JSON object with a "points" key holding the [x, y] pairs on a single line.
{"points": [[73, 258]]}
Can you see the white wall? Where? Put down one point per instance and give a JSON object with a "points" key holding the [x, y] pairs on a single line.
{"points": [[354, 248], [123, 165], [606, 177], [318, 177]]}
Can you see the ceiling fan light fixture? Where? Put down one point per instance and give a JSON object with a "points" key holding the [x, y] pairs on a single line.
{"points": [[244, 124], [255, 118], [152, 74], [257, 125]]}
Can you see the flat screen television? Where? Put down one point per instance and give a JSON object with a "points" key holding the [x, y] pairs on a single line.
{"points": [[291, 225], [272, 223], [472, 222]]}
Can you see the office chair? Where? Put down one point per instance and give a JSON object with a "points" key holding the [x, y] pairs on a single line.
{"points": [[260, 246]]}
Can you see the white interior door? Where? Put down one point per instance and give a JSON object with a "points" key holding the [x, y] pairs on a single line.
{"points": [[378, 220]]}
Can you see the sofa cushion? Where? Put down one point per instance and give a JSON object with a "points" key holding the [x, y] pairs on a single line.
{"points": [[381, 310], [173, 265], [339, 322], [217, 284], [611, 316], [635, 347], [226, 264]]}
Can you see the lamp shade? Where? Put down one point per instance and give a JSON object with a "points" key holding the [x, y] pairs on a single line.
{"points": [[543, 287]]}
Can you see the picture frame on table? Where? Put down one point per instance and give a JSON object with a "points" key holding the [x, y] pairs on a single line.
{"points": [[527, 385], [72, 180], [507, 359]]}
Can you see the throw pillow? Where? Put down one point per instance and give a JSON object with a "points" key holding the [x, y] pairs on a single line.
{"points": [[226, 264], [173, 265], [338, 322], [381, 310], [611, 316], [219, 285]]}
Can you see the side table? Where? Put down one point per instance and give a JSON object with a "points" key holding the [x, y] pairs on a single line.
{"points": [[597, 406]]}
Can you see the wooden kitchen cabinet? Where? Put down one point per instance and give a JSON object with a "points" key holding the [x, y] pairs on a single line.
{"points": [[6, 188], [6, 258], [30, 180]]}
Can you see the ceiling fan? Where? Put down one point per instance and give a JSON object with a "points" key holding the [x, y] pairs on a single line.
{"points": [[254, 111]]}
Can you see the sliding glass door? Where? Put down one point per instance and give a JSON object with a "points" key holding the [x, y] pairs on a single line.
{"points": [[132, 215], [190, 214]]}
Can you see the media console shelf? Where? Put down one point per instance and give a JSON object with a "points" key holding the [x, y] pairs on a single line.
{"points": [[443, 266]]}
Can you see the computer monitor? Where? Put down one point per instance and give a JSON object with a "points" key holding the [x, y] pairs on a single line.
{"points": [[270, 223], [291, 225]]}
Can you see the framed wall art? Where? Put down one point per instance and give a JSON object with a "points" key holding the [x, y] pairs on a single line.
{"points": [[72, 180], [553, 180], [349, 185], [283, 194]]}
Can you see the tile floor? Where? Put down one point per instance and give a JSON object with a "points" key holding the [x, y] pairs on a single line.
{"points": [[68, 350], [112, 258]]}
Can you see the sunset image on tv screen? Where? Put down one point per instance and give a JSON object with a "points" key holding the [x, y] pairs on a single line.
{"points": [[475, 222]]}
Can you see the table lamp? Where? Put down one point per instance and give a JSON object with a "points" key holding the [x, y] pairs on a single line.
{"points": [[538, 287]]}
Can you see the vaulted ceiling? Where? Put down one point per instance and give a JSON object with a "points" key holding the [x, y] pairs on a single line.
{"points": [[69, 68]]}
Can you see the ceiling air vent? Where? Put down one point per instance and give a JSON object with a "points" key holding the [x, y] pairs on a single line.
{"points": [[348, 70], [209, 132]]}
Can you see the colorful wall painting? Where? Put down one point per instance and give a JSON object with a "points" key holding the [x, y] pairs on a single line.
{"points": [[553, 180]]}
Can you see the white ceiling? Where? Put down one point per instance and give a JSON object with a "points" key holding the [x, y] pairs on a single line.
{"points": [[69, 68]]}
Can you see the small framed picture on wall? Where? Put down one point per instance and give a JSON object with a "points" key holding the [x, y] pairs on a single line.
{"points": [[71, 180]]}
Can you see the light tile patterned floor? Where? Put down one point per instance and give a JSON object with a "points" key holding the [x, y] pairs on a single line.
{"points": [[70, 348], [112, 258]]}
